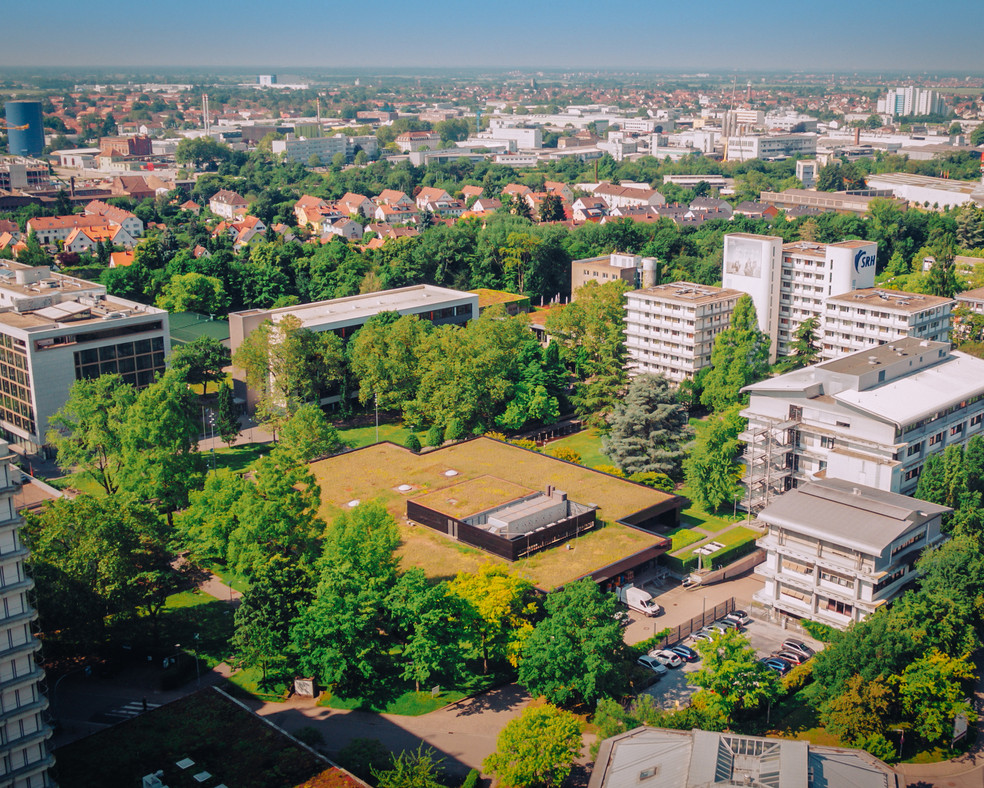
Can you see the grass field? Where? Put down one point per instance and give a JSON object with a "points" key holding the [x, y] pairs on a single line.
{"points": [[409, 704], [737, 535], [587, 443], [357, 437]]}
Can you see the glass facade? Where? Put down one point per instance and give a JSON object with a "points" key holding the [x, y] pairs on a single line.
{"points": [[137, 362], [15, 384]]}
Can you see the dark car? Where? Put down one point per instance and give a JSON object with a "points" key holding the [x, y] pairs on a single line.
{"points": [[686, 653], [791, 656], [780, 666]]}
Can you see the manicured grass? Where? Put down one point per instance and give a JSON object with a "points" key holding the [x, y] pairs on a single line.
{"points": [[685, 537], [249, 681], [409, 704], [78, 481], [230, 577], [587, 443], [356, 437], [191, 613], [238, 458], [737, 535]]}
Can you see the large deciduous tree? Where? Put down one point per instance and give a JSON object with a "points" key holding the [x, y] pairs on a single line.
{"points": [[731, 671], [648, 428], [740, 356], [308, 434], [537, 749], [202, 360], [384, 355], [710, 469]]}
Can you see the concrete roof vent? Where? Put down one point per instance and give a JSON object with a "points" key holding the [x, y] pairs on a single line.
{"points": [[873, 360]]}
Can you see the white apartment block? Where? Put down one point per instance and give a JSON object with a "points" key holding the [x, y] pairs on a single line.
{"points": [[302, 149], [873, 316], [57, 329], [670, 329], [836, 551], [24, 734], [871, 418], [769, 146], [789, 283], [911, 101]]}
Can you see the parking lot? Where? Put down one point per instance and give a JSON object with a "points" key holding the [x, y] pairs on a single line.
{"points": [[674, 690]]}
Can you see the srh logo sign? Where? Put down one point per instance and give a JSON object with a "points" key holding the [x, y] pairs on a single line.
{"points": [[863, 260]]}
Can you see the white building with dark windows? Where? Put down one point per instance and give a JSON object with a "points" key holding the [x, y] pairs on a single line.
{"points": [[872, 316], [670, 329], [836, 551], [871, 418]]}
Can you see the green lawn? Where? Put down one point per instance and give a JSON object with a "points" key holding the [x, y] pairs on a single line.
{"points": [[229, 577], [357, 437], [737, 535], [238, 458], [248, 682], [587, 443], [409, 704]]}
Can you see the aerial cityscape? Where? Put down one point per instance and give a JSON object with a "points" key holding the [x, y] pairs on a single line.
{"points": [[519, 399]]}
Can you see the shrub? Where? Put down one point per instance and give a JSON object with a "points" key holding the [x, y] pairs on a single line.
{"points": [[434, 436], [471, 780], [611, 470], [685, 537], [454, 431], [412, 442], [525, 444], [821, 632], [658, 481], [798, 678], [650, 643], [564, 453], [879, 746]]}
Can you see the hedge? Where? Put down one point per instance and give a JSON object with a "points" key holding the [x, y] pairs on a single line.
{"points": [[723, 556], [685, 537]]}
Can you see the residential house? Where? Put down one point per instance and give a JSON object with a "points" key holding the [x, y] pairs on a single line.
{"points": [[429, 194], [191, 206], [51, 229], [756, 210], [470, 191], [627, 196], [343, 227], [587, 209], [515, 190], [559, 189], [485, 205], [714, 207], [396, 214], [226, 203], [120, 259], [133, 225], [353, 204], [416, 140], [394, 199]]}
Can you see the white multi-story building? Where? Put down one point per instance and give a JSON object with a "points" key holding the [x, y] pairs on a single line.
{"points": [[57, 329], [670, 329], [836, 551], [871, 417], [789, 283], [873, 316], [911, 100], [770, 146], [301, 149], [24, 734]]}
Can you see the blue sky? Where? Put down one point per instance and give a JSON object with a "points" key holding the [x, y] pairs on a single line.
{"points": [[572, 34]]}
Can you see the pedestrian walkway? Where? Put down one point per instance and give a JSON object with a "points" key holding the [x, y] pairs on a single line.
{"points": [[121, 713]]}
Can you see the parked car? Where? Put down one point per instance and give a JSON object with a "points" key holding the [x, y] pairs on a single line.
{"points": [[686, 653], [798, 647], [730, 623], [717, 627], [704, 635], [739, 616], [780, 666], [791, 656], [653, 664], [666, 657]]}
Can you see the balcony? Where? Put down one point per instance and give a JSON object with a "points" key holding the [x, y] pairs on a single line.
{"points": [[28, 647], [35, 675]]}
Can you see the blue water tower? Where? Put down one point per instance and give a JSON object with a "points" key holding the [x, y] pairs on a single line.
{"points": [[25, 141]]}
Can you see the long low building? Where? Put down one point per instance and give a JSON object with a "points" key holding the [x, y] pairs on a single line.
{"points": [[926, 190], [836, 551]]}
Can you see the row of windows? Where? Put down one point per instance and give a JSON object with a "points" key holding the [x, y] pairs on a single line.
{"points": [[136, 362]]}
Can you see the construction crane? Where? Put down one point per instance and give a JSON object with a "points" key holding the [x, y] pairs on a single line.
{"points": [[5, 127]]}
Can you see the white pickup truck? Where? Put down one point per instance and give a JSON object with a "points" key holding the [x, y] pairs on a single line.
{"points": [[639, 600]]}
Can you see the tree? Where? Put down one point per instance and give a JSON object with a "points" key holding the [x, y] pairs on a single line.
{"points": [[384, 355], [203, 361], [160, 444], [308, 434], [710, 469], [412, 769], [536, 749], [806, 348], [339, 636], [194, 292], [201, 151], [551, 209], [279, 590], [862, 710], [87, 431], [205, 527], [576, 654], [730, 670], [498, 612], [970, 226], [740, 356], [647, 428], [932, 694], [942, 279], [226, 416], [977, 136]]}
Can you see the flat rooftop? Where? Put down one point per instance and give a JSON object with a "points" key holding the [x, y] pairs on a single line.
{"points": [[688, 293], [364, 306], [378, 472], [894, 300], [971, 295], [884, 355], [81, 311], [927, 182]]}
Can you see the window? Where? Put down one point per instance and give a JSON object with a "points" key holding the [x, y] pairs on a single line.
{"points": [[137, 362], [976, 419], [912, 473], [840, 580], [914, 539], [937, 438], [841, 608], [956, 429], [826, 442], [915, 448]]}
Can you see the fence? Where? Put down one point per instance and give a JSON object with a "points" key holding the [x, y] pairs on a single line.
{"points": [[697, 623]]}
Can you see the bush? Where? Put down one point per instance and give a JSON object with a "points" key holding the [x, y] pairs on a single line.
{"points": [[454, 431], [611, 470], [879, 746], [364, 756], [821, 632], [434, 436], [525, 444], [471, 781], [650, 643], [658, 481], [310, 736], [413, 442], [685, 537], [566, 454], [798, 678]]}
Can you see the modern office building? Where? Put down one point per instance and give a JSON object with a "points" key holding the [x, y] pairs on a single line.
{"points": [[663, 758], [25, 123], [24, 734], [670, 329], [769, 146], [634, 270], [871, 418], [57, 329], [836, 550], [345, 316], [901, 102], [789, 283], [928, 190], [872, 316]]}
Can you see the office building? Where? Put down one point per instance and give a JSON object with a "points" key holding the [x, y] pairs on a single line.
{"points": [[664, 758], [927, 190], [301, 149], [769, 146], [873, 316], [836, 550], [806, 172], [24, 734], [345, 316], [57, 329], [789, 283], [18, 172], [902, 102], [670, 329], [871, 417], [634, 270]]}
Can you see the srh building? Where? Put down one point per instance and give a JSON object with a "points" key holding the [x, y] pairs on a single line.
{"points": [[670, 329], [836, 550], [24, 734], [770, 146], [57, 329], [789, 283], [345, 316], [871, 417], [873, 316], [634, 270]]}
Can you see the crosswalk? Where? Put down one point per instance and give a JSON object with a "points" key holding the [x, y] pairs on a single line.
{"points": [[124, 712]]}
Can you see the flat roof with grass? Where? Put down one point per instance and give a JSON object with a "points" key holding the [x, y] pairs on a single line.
{"points": [[472, 496], [379, 472]]}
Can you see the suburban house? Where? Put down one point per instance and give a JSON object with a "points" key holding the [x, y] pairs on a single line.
{"points": [[627, 196], [836, 550], [589, 208], [227, 203], [393, 198], [355, 204], [429, 194], [133, 225]]}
